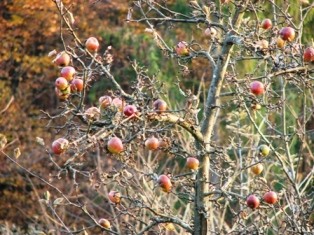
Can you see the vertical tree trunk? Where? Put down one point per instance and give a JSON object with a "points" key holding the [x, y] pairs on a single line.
{"points": [[211, 111]]}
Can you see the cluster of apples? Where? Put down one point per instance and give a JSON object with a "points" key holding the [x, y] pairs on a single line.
{"points": [[264, 151], [115, 144], [68, 83], [287, 34], [269, 197]]}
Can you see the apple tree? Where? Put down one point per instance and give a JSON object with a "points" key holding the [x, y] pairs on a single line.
{"points": [[233, 155]]}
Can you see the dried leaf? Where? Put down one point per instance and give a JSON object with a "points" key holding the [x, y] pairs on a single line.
{"points": [[52, 53], [3, 141], [58, 201], [47, 195], [40, 141], [17, 153]]}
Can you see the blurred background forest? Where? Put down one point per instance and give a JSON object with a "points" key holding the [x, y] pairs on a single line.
{"points": [[29, 31]]}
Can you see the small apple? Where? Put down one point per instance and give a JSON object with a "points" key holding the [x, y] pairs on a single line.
{"points": [[266, 24], [104, 101], [105, 223], [61, 83], [92, 44], [280, 43], [68, 73], [59, 145], [257, 88], [92, 114], [165, 183], [152, 143], [192, 163], [252, 201], [182, 49], [160, 106], [129, 110], [256, 106], [257, 169], [210, 32], [77, 85], [114, 197], [62, 59], [287, 34], [118, 103], [308, 54], [264, 150], [63, 94], [115, 145], [270, 197]]}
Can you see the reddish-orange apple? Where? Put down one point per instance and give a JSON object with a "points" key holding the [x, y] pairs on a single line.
{"points": [[105, 223], [59, 145], [114, 197], [192, 163], [270, 197], [266, 24], [129, 110], [252, 201], [62, 59], [77, 85], [182, 49], [165, 183], [152, 143], [115, 145], [92, 44], [61, 83], [68, 73], [308, 54], [287, 34], [160, 106], [257, 88]]}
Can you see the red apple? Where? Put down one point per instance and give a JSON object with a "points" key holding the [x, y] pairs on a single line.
{"points": [[104, 101], [115, 145], [105, 223], [270, 197], [287, 34], [92, 44], [308, 55], [257, 169], [92, 114], [61, 83], [62, 59], [152, 143], [77, 85], [114, 197], [252, 201], [192, 163], [182, 49], [257, 88], [129, 110], [68, 73], [160, 106], [165, 183], [59, 145], [266, 24]]}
